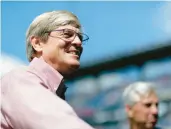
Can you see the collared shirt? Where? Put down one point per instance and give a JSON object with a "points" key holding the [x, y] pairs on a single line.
{"points": [[29, 100]]}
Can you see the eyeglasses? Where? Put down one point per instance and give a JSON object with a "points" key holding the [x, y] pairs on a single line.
{"points": [[69, 35]]}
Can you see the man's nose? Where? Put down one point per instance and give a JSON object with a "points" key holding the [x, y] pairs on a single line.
{"points": [[154, 110], [77, 41]]}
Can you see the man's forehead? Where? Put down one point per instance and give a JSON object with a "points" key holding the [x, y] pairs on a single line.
{"points": [[149, 98]]}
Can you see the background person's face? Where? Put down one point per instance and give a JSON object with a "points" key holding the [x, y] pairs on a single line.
{"points": [[63, 56], [146, 111]]}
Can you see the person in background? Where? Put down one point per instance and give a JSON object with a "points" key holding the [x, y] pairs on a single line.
{"points": [[33, 97], [141, 104]]}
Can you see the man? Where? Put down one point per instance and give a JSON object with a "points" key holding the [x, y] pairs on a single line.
{"points": [[29, 101], [141, 103]]}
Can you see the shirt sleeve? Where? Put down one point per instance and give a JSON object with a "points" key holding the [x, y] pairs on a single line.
{"points": [[26, 104]]}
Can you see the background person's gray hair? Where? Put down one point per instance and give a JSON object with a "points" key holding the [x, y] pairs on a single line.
{"points": [[135, 91], [47, 22]]}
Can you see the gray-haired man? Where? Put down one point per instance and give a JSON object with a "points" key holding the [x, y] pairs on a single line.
{"points": [[141, 104], [29, 101]]}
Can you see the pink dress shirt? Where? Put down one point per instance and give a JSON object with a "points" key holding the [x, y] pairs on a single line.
{"points": [[28, 100]]}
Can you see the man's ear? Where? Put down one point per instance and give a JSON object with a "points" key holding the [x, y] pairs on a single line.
{"points": [[128, 109], [36, 44]]}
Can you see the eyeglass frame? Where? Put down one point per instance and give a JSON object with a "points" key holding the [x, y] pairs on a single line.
{"points": [[75, 33]]}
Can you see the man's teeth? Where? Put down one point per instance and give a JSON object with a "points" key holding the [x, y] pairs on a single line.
{"points": [[75, 53]]}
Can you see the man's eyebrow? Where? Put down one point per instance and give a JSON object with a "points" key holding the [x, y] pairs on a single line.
{"points": [[156, 102]]}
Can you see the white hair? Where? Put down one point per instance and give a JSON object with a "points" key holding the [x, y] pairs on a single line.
{"points": [[135, 91]]}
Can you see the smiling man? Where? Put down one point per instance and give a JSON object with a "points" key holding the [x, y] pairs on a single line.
{"points": [[141, 104], [33, 96]]}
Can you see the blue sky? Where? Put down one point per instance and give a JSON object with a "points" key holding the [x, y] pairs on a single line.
{"points": [[114, 28]]}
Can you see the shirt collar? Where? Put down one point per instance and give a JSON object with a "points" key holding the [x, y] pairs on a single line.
{"points": [[46, 72]]}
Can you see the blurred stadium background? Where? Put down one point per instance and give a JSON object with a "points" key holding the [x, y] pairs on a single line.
{"points": [[96, 91]]}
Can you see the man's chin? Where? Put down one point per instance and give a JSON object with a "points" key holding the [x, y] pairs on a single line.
{"points": [[72, 68], [151, 125], [74, 64]]}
